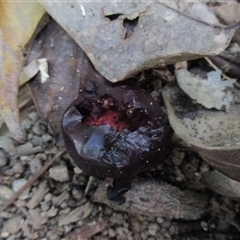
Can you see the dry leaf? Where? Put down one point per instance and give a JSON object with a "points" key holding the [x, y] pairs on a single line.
{"points": [[17, 24], [159, 199], [211, 92], [67, 65], [10, 67], [123, 38], [221, 184], [214, 134]]}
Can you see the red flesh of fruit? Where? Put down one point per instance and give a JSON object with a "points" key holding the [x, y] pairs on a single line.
{"points": [[110, 117]]}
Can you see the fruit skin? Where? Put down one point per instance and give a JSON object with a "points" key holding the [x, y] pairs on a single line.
{"points": [[116, 132]]}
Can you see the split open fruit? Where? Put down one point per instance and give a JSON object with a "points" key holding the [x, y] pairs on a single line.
{"points": [[116, 132]]}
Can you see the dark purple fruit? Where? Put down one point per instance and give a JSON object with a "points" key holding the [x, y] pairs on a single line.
{"points": [[117, 133]]}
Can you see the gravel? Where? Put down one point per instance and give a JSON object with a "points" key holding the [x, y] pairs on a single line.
{"points": [[57, 207]]}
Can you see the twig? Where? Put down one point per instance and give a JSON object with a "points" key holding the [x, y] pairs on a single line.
{"points": [[31, 180], [216, 68]]}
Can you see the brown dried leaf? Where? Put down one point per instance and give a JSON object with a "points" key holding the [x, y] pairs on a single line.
{"points": [[153, 198], [123, 38], [67, 64]]}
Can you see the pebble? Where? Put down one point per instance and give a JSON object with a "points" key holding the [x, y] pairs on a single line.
{"points": [[3, 158], [13, 225], [27, 149], [18, 184], [57, 200], [44, 206], [117, 218], [38, 196], [153, 228], [5, 192], [59, 173], [52, 212], [77, 194], [35, 165], [48, 197]]}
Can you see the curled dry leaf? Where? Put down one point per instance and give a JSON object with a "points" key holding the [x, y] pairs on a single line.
{"points": [[211, 91], [17, 24], [221, 184], [214, 134], [66, 63], [123, 38]]}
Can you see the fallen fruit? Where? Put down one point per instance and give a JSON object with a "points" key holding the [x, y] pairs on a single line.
{"points": [[116, 132]]}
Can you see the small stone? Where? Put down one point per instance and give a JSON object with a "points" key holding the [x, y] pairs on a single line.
{"points": [[5, 234], [111, 233], [117, 218], [77, 170], [108, 211], [48, 197], [35, 165], [177, 157], [38, 196], [52, 212], [58, 200], [39, 128], [44, 206], [160, 220], [153, 228], [3, 158], [13, 225], [59, 173], [27, 149], [18, 184], [33, 116], [5, 192], [77, 194]]}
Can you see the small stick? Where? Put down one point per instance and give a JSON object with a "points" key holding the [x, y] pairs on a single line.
{"points": [[216, 68], [31, 180]]}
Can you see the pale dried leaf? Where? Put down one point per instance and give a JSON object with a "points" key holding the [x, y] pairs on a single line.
{"points": [[123, 38], [221, 184], [32, 69], [10, 66], [211, 92]]}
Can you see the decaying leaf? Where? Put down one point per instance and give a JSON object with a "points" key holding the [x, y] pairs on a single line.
{"points": [[123, 38], [227, 13], [67, 64], [32, 69], [214, 134], [152, 198], [221, 184], [17, 23], [10, 67], [211, 92]]}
